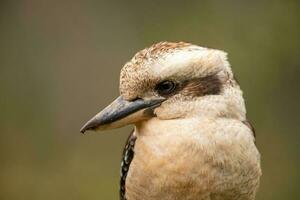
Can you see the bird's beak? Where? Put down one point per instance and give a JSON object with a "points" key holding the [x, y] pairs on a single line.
{"points": [[121, 112]]}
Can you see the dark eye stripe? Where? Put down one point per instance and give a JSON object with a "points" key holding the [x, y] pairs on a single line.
{"points": [[209, 85]]}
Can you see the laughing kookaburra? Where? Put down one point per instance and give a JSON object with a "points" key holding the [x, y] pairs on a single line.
{"points": [[191, 138]]}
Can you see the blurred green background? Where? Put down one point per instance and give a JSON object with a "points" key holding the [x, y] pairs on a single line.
{"points": [[60, 64]]}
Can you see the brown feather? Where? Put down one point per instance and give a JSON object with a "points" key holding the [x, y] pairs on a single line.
{"points": [[209, 85], [128, 154]]}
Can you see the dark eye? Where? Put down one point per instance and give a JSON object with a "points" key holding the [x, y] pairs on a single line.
{"points": [[165, 87]]}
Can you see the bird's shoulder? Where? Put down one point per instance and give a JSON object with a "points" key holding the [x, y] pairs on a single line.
{"points": [[250, 126]]}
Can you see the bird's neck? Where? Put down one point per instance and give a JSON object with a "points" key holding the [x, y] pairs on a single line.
{"points": [[156, 126]]}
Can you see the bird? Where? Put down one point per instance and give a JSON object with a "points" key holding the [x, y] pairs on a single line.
{"points": [[191, 137]]}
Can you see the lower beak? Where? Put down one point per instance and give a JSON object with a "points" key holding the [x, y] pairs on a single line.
{"points": [[121, 112]]}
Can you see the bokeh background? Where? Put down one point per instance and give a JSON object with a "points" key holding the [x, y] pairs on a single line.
{"points": [[60, 63]]}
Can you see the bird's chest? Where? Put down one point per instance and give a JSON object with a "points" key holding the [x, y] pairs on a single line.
{"points": [[180, 168], [184, 162], [168, 169]]}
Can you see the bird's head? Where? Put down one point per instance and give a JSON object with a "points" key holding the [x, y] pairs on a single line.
{"points": [[173, 80]]}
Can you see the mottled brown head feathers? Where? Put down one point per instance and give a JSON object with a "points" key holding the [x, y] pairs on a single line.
{"points": [[198, 71], [133, 74], [166, 60]]}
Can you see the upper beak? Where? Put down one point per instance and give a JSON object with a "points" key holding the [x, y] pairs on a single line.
{"points": [[121, 112]]}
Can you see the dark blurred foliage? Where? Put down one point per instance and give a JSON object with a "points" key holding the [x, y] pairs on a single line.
{"points": [[60, 63]]}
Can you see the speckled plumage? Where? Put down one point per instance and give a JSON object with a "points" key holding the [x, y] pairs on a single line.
{"points": [[127, 157], [139, 65]]}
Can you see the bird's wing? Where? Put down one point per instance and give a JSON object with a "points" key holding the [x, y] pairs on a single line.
{"points": [[128, 154]]}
